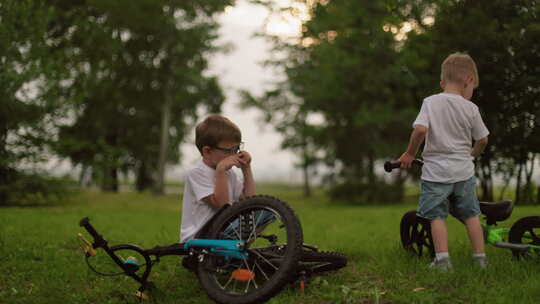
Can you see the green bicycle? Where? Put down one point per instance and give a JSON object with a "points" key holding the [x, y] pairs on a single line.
{"points": [[522, 237]]}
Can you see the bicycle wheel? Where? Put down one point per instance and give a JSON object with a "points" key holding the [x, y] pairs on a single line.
{"points": [[525, 231], [273, 238], [314, 262], [132, 256], [416, 234]]}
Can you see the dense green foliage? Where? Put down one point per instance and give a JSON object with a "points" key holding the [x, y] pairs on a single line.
{"points": [[27, 104], [501, 36], [113, 86], [364, 67], [41, 262]]}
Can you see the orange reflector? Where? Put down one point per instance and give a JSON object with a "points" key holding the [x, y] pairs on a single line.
{"points": [[242, 275]]}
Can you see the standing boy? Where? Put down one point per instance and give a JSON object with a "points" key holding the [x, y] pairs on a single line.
{"points": [[449, 122]]}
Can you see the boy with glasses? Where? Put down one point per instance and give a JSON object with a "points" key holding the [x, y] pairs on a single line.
{"points": [[210, 184]]}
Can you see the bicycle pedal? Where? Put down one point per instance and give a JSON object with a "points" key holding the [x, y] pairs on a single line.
{"points": [[87, 246], [88, 251], [141, 295]]}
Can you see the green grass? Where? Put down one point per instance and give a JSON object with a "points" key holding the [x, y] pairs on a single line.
{"points": [[40, 261]]}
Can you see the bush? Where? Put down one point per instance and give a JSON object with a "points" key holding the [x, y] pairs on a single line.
{"points": [[20, 188]]}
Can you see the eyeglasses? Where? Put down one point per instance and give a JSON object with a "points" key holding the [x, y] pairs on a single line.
{"points": [[232, 150]]}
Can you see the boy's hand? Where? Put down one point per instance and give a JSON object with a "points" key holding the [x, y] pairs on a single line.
{"points": [[229, 162], [406, 160], [244, 159]]}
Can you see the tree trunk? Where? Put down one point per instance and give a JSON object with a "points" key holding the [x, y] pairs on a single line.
{"points": [[110, 168], [305, 162], [4, 167], [307, 186], [113, 175], [518, 184], [109, 182], [538, 195], [82, 176], [371, 168], [529, 188], [143, 180], [486, 182], [159, 188]]}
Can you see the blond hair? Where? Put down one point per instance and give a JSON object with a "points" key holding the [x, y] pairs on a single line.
{"points": [[214, 129], [457, 67]]}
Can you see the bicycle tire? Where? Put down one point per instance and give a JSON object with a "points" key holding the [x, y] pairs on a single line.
{"points": [[416, 234], [315, 262], [518, 231], [288, 227]]}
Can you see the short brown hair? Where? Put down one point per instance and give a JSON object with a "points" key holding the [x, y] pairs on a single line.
{"points": [[457, 66], [214, 129]]}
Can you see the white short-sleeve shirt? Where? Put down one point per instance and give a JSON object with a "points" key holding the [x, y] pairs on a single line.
{"points": [[199, 183], [453, 123]]}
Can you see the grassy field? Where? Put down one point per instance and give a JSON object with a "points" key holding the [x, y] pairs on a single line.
{"points": [[40, 261]]}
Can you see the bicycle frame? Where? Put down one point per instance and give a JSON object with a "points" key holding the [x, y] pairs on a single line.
{"points": [[261, 264], [498, 237], [494, 235], [229, 249]]}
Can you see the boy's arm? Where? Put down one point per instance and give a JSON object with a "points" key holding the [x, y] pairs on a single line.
{"points": [[220, 197], [479, 147], [221, 190], [249, 182], [417, 137]]}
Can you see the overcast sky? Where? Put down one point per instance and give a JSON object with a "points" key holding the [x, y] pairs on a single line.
{"points": [[240, 69]]}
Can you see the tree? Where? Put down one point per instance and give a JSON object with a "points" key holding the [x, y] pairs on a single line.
{"points": [[27, 103], [344, 68], [147, 73], [506, 54], [365, 67]]}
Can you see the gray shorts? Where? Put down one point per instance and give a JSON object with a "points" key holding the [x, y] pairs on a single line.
{"points": [[458, 199]]}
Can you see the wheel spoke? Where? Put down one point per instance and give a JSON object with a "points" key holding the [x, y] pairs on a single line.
{"points": [[534, 237], [229, 281], [253, 228], [414, 232], [249, 281], [273, 240], [238, 235], [264, 259], [262, 271]]}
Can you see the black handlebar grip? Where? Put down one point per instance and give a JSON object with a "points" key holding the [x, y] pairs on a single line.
{"points": [[389, 166], [85, 222]]}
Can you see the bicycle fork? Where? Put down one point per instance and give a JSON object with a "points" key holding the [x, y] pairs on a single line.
{"points": [[495, 237]]}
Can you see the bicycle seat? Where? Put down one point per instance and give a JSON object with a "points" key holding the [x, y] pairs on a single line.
{"points": [[496, 212]]}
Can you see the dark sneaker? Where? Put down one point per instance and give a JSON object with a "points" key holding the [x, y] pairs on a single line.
{"points": [[443, 264]]}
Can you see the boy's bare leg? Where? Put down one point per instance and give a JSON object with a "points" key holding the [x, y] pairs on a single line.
{"points": [[476, 235], [440, 241], [439, 233]]}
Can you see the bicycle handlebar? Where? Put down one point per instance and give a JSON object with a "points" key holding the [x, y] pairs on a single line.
{"points": [[99, 241], [389, 166], [85, 222]]}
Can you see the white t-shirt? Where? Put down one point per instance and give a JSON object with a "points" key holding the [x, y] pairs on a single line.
{"points": [[199, 183], [453, 122]]}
